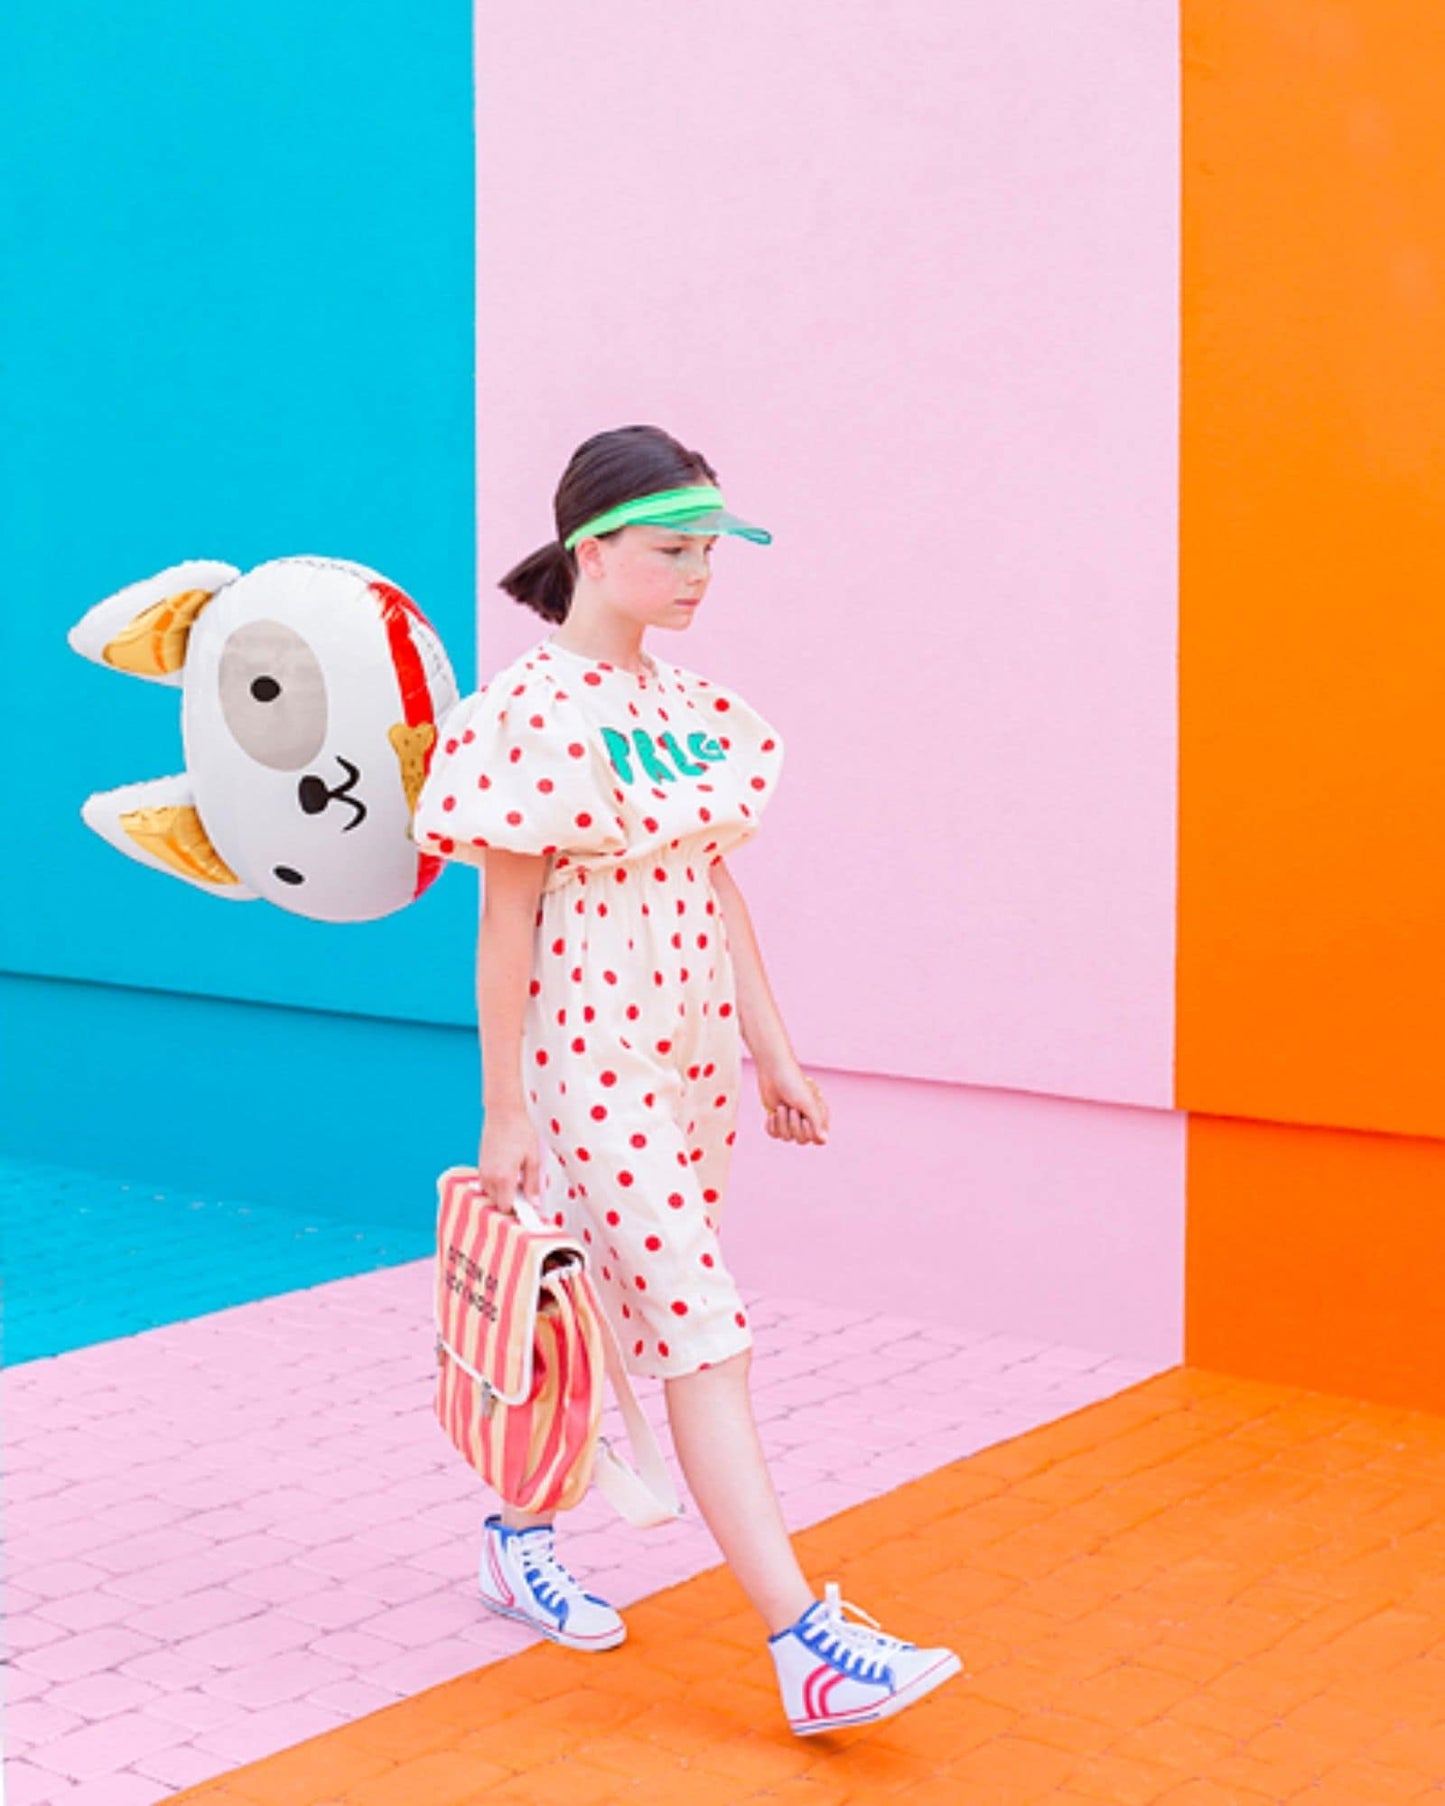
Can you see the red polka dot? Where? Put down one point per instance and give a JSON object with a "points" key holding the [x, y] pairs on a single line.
{"points": [[637, 1347], [611, 977], [468, 737], [545, 785], [760, 783], [640, 1283], [608, 1078], [627, 1310], [599, 1111], [721, 702], [648, 1098], [582, 1154], [624, 1178], [676, 1200], [514, 817], [639, 1140], [515, 754], [447, 846], [613, 1218], [535, 986], [450, 747], [591, 677], [706, 1259], [660, 874], [541, 1056], [768, 745], [653, 1243], [740, 1320], [721, 1101], [725, 1009], [693, 1071], [449, 802], [633, 1012], [537, 721], [649, 824], [679, 1309], [662, 1349], [557, 1130], [577, 750], [663, 1046], [484, 782], [709, 1196], [559, 946], [584, 820]]}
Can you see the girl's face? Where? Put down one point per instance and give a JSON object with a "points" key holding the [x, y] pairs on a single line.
{"points": [[655, 576]]}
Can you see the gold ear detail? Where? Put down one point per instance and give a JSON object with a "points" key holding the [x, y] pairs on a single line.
{"points": [[154, 644], [174, 835], [412, 746]]}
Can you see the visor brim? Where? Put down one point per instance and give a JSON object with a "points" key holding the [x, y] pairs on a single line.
{"points": [[714, 521]]}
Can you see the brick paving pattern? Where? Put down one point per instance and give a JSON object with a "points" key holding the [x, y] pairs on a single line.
{"points": [[1200, 1592], [225, 1536]]}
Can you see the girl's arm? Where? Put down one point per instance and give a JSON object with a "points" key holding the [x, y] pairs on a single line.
{"points": [[758, 1013], [795, 1108], [512, 885]]}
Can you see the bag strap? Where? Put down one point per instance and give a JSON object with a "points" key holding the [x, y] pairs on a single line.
{"points": [[644, 1496]]}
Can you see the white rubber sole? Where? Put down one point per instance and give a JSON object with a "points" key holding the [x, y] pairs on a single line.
{"points": [[607, 1639], [916, 1689]]}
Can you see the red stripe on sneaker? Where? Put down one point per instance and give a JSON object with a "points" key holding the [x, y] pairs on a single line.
{"points": [[508, 1596], [809, 1706]]}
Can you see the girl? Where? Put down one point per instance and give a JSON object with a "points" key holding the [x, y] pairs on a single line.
{"points": [[599, 789]]}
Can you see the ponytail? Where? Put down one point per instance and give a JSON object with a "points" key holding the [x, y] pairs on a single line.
{"points": [[544, 582]]}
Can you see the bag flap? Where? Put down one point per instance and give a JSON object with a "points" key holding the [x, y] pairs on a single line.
{"points": [[489, 1279]]}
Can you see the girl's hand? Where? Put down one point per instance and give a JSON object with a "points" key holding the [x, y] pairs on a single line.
{"points": [[794, 1104], [510, 1158]]}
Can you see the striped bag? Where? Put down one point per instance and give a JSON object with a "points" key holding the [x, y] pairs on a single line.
{"points": [[522, 1348]]}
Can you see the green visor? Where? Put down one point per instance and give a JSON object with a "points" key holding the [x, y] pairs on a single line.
{"points": [[696, 509]]}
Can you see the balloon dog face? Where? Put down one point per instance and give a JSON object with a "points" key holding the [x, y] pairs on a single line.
{"points": [[311, 690]]}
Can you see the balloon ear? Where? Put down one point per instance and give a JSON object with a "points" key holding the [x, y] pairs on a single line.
{"points": [[157, 824], [144, 629]]}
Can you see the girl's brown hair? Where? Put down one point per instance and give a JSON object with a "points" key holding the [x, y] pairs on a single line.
{"points": [[604, 471]]}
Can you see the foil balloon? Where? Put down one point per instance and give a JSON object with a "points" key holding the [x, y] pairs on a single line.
{"points": [[311, 691]]}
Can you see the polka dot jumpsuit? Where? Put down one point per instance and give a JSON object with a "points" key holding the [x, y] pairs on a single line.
{"points": [[633, 785]]}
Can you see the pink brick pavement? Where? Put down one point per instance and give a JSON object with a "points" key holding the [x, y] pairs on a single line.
{"points": [[227, 1535]]}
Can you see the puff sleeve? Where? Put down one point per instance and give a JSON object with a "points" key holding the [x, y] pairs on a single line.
{"points": [[751, 746], [516, 767]]}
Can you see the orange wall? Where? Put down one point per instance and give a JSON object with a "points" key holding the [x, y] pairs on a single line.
{"points": [[1311, 973]]}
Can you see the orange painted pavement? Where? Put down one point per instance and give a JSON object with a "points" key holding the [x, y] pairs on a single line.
{"points": [[1201, 1592], [1311, 967]]}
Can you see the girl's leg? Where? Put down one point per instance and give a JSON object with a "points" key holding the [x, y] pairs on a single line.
{"points": [[716, 1438], [523, 1520]]}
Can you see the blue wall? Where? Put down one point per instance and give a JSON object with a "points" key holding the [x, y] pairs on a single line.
{"points": [[238, 319]]}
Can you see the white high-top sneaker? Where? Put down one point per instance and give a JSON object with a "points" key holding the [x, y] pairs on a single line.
{"points": [[520, 1577], [833, 1674]]}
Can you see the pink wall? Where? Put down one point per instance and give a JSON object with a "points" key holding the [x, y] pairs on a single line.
{"points": [[908, 277]]}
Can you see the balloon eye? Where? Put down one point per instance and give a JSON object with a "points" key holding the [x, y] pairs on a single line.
{"points": [[273, 695], [289, 875]]}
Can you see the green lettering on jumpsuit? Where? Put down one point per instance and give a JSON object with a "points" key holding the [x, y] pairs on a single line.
{"points": [[701, 746]]}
